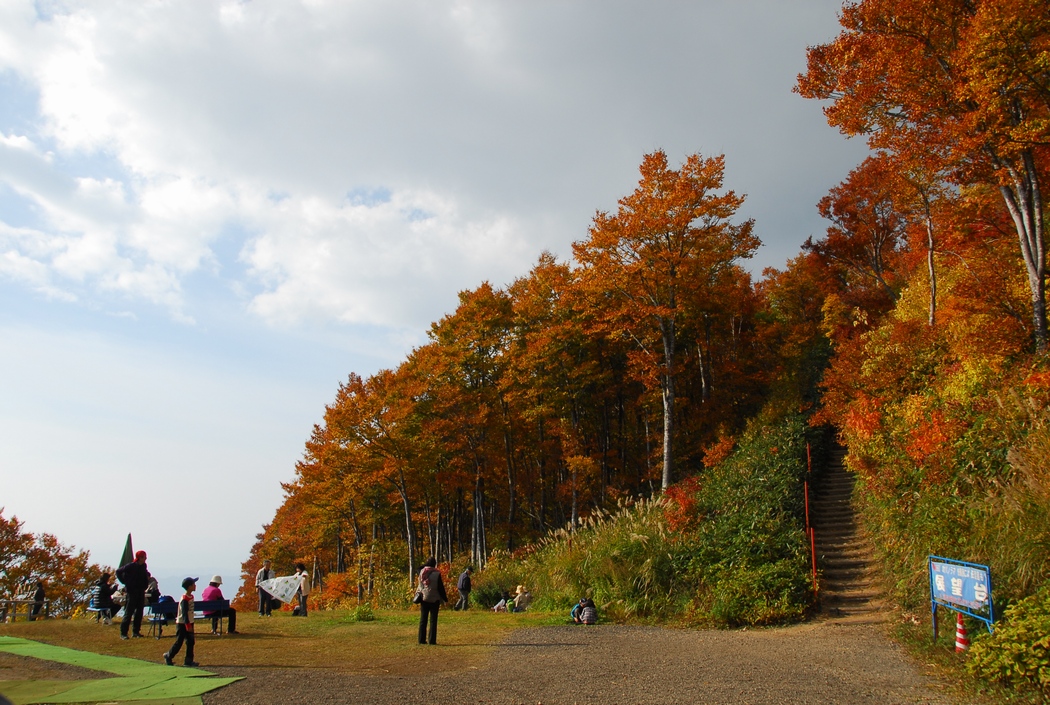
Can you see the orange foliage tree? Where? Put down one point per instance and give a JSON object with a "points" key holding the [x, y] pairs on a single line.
{"points": [[528, 408], [25, 558], [960, 85], [671, 235]]}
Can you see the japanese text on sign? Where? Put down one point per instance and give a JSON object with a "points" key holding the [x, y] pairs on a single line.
{"points": [[960, 584]]}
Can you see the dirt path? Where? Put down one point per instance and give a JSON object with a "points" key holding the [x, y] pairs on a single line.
{"points": [[832, 661]]}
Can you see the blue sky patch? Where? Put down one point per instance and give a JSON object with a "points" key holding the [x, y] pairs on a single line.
{"points": [[369, 196]]}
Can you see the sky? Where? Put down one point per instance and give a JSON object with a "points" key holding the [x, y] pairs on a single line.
{"points": [[211, 213]]}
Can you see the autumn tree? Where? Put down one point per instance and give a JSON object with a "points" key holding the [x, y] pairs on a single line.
{"points": [[26, 557], [671, 234], [960, 84], [376, 420], [866, 232]]}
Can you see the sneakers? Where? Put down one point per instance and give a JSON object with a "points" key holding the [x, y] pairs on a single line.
{"points": [[167, 659], [136, 636], [191, 664], [124, 637], [214, 633]]}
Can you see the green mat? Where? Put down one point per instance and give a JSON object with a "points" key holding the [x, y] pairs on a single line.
{"points": [[139, 680]]}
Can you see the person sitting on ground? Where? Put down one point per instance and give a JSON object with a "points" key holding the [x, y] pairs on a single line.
{"points": [[574, 615], [103, 599], [522, 599], [213, 592], [501, 606], [585, 612]]}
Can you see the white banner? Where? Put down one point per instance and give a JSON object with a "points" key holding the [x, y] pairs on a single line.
{"points": [[282, 588]]}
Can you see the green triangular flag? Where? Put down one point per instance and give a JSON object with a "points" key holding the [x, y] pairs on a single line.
{"points": [[129, 553]]}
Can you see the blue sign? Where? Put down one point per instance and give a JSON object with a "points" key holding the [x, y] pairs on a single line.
{"points": [[963, 587]]}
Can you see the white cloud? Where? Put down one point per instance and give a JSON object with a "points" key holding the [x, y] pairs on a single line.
{"points": [[376, 264], [509, 124]]}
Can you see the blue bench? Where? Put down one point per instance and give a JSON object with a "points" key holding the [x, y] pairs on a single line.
{"points": [[161, 612], [106, 613]]}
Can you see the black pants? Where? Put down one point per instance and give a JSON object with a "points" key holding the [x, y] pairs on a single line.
{"points": [[464, 600], [428, 609], [231, 618], [265, 603], [183, 635], [133, 610]]}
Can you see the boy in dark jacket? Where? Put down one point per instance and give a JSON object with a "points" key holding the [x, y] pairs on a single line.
{"points": [[184, 626]]}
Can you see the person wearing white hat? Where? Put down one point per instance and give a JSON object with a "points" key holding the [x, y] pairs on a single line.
{"points": [[522, 599], [213, 592]]}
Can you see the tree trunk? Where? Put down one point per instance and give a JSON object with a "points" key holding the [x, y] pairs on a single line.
{"points": [[667, 379], [930, 267], [1025, 203], [511, 480], [410, 531]]}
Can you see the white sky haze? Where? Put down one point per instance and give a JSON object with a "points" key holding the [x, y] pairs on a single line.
{"points": [[212, 212]]}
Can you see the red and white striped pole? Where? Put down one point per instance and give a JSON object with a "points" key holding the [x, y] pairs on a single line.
{"points": [[962, 642]]}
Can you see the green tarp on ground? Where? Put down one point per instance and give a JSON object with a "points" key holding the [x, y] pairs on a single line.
{"points": [[139, 680]]}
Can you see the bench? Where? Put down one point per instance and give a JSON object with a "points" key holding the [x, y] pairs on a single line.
{"points": [[9, 608], [161, 613], [106, 613]]}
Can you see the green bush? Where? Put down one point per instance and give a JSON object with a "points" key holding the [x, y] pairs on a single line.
{"points": [[502, 573], [1018, 653], [727, 546], [361, 613], [770, 593]]}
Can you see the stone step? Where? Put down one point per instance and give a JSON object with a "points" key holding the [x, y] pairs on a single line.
{"points": [[845, 556]]}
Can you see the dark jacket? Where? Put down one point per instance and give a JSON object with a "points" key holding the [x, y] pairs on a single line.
{"points": [[135, 578], [104, 593], [464, 581]]}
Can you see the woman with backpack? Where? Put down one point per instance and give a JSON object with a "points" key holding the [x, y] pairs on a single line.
{"points": [[432, 590]]}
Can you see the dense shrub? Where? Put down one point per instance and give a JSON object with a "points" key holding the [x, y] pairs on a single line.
{"points": [[750, 543], [1018, 653], [361, 613], [726, 547]]}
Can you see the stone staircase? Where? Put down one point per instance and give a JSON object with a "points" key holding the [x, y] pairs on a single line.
{"points": [[844, 556]]}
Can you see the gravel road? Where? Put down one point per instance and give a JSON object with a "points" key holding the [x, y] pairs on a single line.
{"points": [[822, 662]]}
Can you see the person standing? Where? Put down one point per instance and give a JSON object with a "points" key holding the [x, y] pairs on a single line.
{"points": [[265, 599], [184, 626], [463, 585], [304, 587], [432, 588], [135, 577], [214, 592], [38, 600]]}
